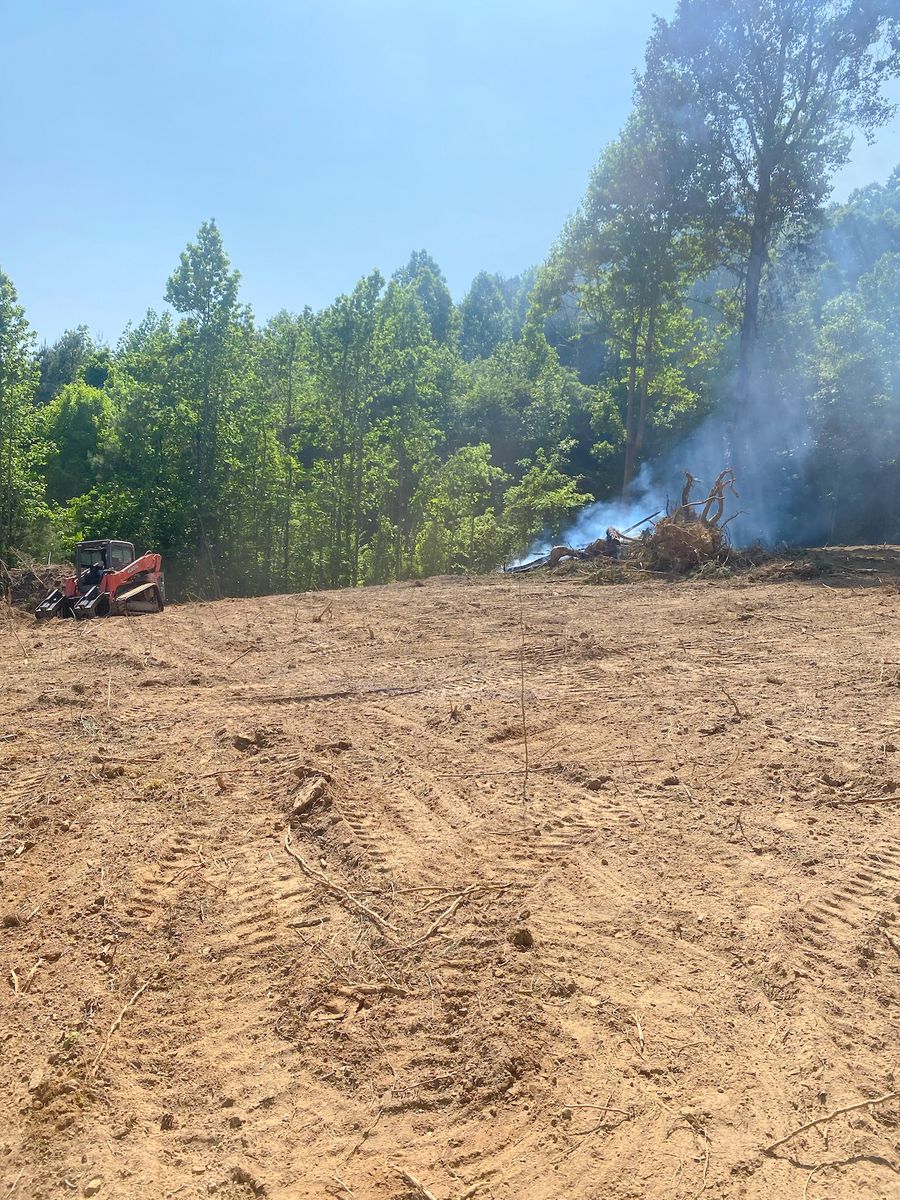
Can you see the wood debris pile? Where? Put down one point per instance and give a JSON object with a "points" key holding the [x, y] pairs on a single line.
{"points": [[26, 586], [694, 533], [684, 539]]}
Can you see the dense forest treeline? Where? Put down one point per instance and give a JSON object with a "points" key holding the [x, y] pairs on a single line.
{"points": [[703, 304]]}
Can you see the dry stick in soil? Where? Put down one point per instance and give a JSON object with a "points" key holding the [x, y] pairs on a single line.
{"points": [[12, 1186], [335, 888], [830, 1117], [445, 915], [420, 1190], [115, 1025], [705, 1182], [448, 912], [845, 1162]]}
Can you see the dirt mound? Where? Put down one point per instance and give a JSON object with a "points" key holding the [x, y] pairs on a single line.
{"points": [[513, 889]]}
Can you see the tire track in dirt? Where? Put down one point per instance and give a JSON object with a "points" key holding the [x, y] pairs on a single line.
{"points": [[219, 901], [853, 920]]}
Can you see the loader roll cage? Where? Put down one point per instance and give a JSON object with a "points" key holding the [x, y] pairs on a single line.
{"points": [[93, 559]]}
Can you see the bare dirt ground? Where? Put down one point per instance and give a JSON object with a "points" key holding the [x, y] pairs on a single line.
{"points": [[674, 943]]}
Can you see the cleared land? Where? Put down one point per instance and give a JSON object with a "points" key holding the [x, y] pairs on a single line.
{"points": [[677, 941]]}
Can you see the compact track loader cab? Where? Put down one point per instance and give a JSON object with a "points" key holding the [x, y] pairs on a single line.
{"points": [[109, 580]]}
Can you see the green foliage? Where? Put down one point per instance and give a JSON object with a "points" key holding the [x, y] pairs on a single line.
{"points": [[107, 510], [76, 426], [544, 498], [20, 491], [625, 262], [485, 319], [460, 528], [766, 95], [63, 362]]}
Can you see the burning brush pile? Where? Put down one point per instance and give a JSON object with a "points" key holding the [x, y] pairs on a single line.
{"points": [[685, 539], [694, 533]]}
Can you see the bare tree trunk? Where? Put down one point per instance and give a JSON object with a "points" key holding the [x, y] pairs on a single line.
{"points": [[646, 373], [630, 415], [756, 261]]}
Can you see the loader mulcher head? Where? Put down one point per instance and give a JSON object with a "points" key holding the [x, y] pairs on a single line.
{"points": [[108, 581]]}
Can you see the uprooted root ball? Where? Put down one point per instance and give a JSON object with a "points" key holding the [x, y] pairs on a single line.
{"points": [[683, 545]]}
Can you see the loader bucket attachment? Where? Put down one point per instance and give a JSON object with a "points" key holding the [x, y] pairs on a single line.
{"points": [[93, 603], [57, 604]]}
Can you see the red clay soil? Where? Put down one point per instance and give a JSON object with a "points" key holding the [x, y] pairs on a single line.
{"points": [[283, 916]]}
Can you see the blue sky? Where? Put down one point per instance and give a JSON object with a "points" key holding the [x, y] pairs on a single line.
{"points": [[326, 138]]}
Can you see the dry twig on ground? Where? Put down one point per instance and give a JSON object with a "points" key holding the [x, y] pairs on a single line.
{"points": [[335, 888], [420, 1190], [115, 1025], [830, 1117]]}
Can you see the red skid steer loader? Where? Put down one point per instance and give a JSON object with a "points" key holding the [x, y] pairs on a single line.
{"points": [[108, 581]]}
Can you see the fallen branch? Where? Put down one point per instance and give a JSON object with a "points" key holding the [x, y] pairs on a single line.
{"points": [[342, 694], [335, 888], [115, 1025], [243, 654], [445, 915], [864, 800], [830, 1117], [12, 1186]]}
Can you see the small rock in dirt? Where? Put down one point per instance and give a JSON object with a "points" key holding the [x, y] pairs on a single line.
{"points": [[10, 920], [522, 938], [53, 952], [594, 785], [235, 1122], [93, 1186], [36, 1079], [718, 727], [239, 1175]]}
